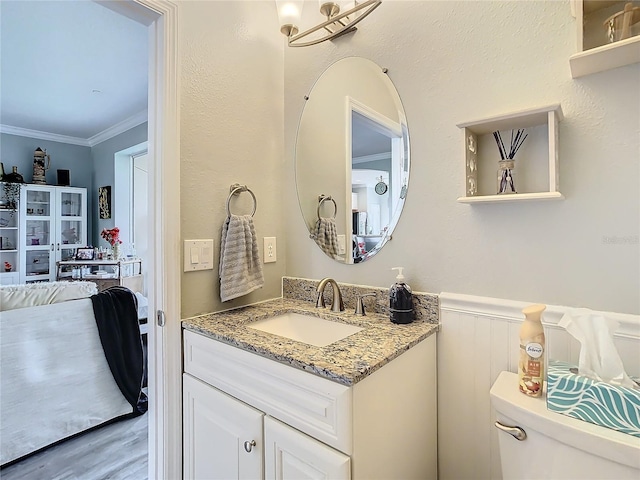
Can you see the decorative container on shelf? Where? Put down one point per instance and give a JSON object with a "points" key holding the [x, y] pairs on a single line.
{"points": [[623, 24], [506, 182]]}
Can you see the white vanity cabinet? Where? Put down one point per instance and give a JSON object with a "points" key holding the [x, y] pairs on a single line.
{"points": [[384, 426], [223, 438]]}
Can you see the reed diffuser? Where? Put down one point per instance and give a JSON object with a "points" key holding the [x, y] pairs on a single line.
{"points": [[506, 182]]}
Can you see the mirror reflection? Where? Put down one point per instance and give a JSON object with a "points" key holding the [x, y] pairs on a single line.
{"points": [[352, 160]]}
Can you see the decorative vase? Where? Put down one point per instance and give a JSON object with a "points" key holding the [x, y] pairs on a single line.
{"points": [[506, 181], [14, 176], [116, 251]]}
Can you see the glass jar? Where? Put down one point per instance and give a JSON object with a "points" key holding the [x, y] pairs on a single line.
{"points": [[506, 180]]}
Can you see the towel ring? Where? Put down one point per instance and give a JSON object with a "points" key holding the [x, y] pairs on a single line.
{"points": [[236, 189], [322, 199]]}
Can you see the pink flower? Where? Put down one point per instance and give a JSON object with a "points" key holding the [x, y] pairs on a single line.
{"points": [[111, 235]]}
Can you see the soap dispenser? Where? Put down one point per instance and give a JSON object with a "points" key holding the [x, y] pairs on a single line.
{"points": [[400, 300]]}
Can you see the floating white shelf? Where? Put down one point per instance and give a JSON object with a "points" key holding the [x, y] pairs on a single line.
{"points": [[595, 53], [481, 166], [518, 197]]}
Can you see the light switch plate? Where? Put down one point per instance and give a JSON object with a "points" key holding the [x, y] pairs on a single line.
{"points": [[198, 255], [270, 251]]}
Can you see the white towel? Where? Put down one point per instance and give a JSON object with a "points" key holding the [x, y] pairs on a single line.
{"points": [[240, 267], [326, 236]]}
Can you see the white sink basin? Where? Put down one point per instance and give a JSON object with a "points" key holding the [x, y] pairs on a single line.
{"points": [[306, 329]]}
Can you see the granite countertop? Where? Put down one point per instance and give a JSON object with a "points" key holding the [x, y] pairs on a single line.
{"points": [[346, 361]]}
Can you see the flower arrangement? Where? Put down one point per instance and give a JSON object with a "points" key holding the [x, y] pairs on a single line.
{"points": [[111, 235], [7, 267]]}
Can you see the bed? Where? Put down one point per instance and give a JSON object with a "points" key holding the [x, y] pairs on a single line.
{"points": [[55, 380]]}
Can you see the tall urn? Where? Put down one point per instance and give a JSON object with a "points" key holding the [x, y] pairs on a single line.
{"points": [[41, 163]]}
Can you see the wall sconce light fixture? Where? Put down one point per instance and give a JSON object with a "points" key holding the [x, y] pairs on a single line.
{"points": [[342, 17]]}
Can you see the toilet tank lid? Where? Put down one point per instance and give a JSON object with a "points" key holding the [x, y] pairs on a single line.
{"points": [[531, 414]]}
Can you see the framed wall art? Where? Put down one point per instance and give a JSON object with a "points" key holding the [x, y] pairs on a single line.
{"points": [[104, 201]]}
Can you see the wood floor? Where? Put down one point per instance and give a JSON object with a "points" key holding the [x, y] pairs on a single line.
{"points": [[115, 452]]}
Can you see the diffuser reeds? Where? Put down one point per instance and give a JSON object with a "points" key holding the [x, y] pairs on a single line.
{"points": [[516, 143]]}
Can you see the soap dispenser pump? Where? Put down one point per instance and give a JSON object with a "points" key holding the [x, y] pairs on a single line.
{"points": [[400, 300]]}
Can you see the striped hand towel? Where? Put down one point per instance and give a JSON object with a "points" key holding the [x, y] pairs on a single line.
{"points": [[240, 267]]}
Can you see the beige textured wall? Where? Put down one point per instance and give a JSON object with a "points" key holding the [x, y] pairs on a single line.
{"points": [[458, 61], [230, 132]]}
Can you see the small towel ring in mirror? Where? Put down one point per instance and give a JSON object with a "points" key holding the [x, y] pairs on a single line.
{"points": [[235, 189], [322, 199]]}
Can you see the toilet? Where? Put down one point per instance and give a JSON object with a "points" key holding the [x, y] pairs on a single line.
{"points": [[536, 443]]}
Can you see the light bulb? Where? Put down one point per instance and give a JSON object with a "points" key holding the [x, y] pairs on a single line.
{"points": [[289, 11]]}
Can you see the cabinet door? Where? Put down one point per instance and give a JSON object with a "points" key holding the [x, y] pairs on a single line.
{"points": [[222, 436], [9, 241], [292, 455], [37, 232], [71, 221]]}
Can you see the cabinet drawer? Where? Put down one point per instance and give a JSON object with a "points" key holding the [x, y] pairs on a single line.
{"points": [[314, 405]]}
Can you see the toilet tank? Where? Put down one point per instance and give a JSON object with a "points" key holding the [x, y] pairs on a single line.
{"points": [[557, 446]]}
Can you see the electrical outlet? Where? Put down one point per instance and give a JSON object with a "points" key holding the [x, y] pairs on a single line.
{"points": [[270, 253], [198, 255]]}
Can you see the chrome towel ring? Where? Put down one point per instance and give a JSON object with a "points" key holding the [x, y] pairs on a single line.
{"points": [[236, 189], [324, 198]]}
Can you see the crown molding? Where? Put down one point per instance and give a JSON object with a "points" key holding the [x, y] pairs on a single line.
{"points": [[53, 137], [127, 124]]}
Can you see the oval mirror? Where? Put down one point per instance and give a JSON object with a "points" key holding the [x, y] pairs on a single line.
{"points": [[352, 160]]}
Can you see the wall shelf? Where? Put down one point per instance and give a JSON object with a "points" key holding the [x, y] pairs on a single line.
{"points": [[520, 197], [537, 166], [595, 53]]}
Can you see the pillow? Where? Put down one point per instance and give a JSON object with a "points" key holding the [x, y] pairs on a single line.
{"points": [[36, 294]]}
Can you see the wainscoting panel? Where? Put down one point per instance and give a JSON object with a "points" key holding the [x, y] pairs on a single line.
{"points": [[479, 338]]}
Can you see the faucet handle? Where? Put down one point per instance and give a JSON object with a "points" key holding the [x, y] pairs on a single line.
{"points": [[360, 303]]}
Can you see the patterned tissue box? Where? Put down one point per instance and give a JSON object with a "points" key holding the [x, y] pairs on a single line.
{"points": [[593, 401]]}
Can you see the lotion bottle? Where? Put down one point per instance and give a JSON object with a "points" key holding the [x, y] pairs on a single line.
{"points": [[532, 350], [400, 300]]}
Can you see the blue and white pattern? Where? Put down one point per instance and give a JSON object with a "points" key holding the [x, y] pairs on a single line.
{"points": [[596, 402]]}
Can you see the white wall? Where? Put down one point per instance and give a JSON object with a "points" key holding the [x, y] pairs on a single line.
{"points": [[230, 132], [455, 61]]}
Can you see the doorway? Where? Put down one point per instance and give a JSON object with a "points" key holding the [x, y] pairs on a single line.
{"points": [[165, 366]]}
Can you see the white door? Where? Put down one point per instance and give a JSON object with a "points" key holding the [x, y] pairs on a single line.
{"points": [[222, 436], [140, 211], [292, 455]]}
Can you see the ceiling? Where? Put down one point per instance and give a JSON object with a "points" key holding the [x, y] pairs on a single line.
{"points": [[70, 68]]}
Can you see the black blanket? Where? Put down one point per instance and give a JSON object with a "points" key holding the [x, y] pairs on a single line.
{"points": [[116, 312]]}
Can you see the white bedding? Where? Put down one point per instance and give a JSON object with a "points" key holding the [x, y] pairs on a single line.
{"points": [[54, 378]]}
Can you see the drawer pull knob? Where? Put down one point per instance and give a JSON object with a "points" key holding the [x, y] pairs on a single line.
{"points": [[248, 445]]}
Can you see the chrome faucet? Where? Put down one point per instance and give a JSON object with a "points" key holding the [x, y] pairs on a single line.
{"points": [[337, 305]]}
